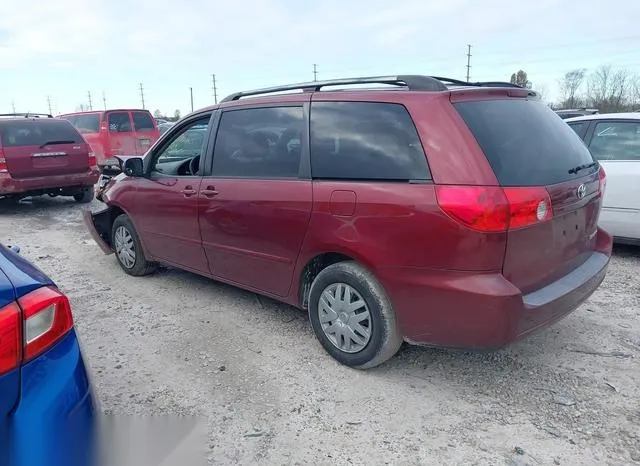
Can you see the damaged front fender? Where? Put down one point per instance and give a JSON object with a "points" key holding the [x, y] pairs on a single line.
{"points": [[99, 224]]}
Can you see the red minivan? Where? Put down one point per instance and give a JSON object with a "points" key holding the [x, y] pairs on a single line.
{"points": [[436, 212], [116, 132], [44, 156]]}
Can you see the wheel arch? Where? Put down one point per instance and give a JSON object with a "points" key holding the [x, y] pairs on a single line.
{"points": [[318, 262]]}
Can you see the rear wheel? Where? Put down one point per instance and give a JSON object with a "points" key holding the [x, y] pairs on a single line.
{"points": [[85, 196], [128, 248], [352, 317]]}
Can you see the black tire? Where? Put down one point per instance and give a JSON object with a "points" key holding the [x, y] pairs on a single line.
{"points": [[85, 196], [386, 337], [141, 266]]}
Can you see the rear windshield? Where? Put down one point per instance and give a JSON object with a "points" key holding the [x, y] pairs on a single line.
{"points": [[27, 132], [525, 142], [86, 124]]}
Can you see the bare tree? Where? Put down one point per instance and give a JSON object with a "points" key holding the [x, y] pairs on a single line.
{"points": [[569, 86], [543, 91], [520, 78], [610, 90]]}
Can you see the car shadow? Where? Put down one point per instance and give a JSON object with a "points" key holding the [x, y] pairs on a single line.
{"points": [[36, 204]]}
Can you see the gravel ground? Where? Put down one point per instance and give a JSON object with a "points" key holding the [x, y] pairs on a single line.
{"points": [[176, 343]]}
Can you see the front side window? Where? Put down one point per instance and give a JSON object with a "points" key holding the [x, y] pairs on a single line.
{"points": [[119, 122], [259, 143], [616, 141], [365, 141], [188, 143]]}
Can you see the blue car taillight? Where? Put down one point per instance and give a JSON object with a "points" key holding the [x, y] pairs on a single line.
{"points": [[31, 326]]}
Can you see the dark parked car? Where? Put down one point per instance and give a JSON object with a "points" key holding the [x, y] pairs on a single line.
{"points": [[44, 155], [437, 212]]}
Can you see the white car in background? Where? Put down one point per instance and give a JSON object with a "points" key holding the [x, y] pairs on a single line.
{"points": [[614, 140]]}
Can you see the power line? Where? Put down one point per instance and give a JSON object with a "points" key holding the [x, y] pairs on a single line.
{"points": [[90, 102], [215, 90], [142, 95], [315, 72], [468, 61]]}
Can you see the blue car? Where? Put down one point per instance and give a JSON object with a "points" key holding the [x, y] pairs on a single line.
{"points": [[47, 408]]}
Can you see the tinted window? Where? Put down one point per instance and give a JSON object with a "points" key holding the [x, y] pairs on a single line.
{"points": [[142, 121], [525, 143], [186, 144], [365, 141], [119, 122], [85, 123], [36, 133], [259, 143], [578, 127], [616, 141]]}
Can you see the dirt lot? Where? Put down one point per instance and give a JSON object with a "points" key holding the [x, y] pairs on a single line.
{"points": [[179, 343]]}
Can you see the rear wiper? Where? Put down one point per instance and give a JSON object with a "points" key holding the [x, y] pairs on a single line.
{"points": [[582, 167], [61, 141]]}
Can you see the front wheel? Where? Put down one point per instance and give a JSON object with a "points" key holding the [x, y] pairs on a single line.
{"points": [[352, 317], [128, 249]]}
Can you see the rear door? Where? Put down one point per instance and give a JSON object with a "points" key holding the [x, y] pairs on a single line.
{"points": [[531, 148], [43, 147], [616, 145], [120, 139], [146, 132]]}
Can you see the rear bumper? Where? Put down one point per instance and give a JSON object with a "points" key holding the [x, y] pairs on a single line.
{"points": [[9, 185], [56, 418], [485, 311]]}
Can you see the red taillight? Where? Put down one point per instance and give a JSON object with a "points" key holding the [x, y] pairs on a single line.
{"points": [[10, 340], [47, 318], [602, 179], [3, 162], [494, 209], [92, 159], [31, 326]]}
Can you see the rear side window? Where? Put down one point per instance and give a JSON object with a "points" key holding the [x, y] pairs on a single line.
{"points": [[26, 132], [524, 141], [579, 127], [616, 141], [142, 121], [119, 122], [365, 141]]}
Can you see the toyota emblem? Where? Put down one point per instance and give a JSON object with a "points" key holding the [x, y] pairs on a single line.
{"points": [[582, 191]]}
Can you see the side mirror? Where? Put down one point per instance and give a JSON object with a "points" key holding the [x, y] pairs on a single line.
{"points": [[133, 167]]}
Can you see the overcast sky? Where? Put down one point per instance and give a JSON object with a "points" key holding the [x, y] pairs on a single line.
{"points": [[67, 48]]}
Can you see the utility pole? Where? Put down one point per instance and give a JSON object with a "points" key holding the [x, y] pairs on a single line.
{"points": [[191, 92], [13, 106], [468, 62], [215, 90], [49, 103], [142, 95], [315, 72], [90, 103], [104, 100]]}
